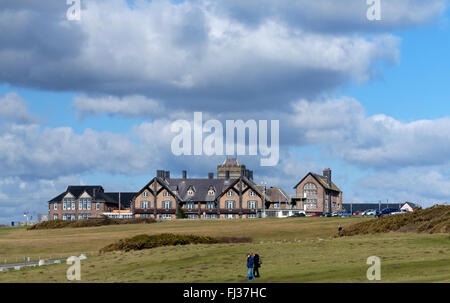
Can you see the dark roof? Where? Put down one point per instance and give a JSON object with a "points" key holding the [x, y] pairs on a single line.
{"points": [[200, 188], [125, 198], [366, 206], [410, 204], [78, 190], [274, 194], [322, 180]]}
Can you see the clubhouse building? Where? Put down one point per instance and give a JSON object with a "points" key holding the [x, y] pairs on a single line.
{"points": [[231, 195]]}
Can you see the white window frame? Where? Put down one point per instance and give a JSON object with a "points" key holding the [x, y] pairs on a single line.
{"points": [[277, 205], [55, 216], [89, 202], [210, 205], [253, 204], [252, 194], [97, 206], [230, 193], [230, 202], [190, 205], [55, 206], [166, 194], [166, 204]]}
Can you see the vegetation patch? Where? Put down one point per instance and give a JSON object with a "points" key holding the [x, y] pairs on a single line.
{"points": [[431, 220], [104, 220], [151, 241]]}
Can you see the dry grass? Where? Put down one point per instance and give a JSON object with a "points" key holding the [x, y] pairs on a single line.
{"points": [[17, 243], [430, 220]]}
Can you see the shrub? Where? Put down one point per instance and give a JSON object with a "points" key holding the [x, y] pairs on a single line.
{"points": [[151, 241], [435, 219], [104, 220]]}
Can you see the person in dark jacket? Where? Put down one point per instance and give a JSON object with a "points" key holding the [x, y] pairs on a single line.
{"points": [[250, 262], [256, 265]]}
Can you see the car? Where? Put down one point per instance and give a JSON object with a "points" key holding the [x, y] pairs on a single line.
{"points": [[345, 214], [317, 215], [297, 215], [370, 212], [387, 211], [400, 211]]}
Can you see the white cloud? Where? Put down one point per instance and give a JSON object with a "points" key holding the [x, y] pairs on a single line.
{"points": [[13, 108]]}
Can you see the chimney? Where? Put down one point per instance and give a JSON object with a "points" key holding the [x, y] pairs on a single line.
{"points": [[160, 174], [227, 174], [250, 175], [184, 173], [327, 175], [243, 171], [210, 175], [167, 175]]}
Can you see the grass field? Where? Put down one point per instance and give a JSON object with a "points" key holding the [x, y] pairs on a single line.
{"points": [[292, 250]]}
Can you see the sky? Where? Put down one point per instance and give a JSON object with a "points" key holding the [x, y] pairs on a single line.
{"points": [[92, 101]]}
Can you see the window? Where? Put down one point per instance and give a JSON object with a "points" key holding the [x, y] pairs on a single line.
{"points": [[55, 216], [252, 194], [64, 204], [252, 204], [55, 206], [145, 204], [144, 215], [89, 201], [166, 217], [229, 216], [230, 193], [311, 203], [97, 206], [276, 205], [210, 205], [192, 216], [145, 194], [190, 205], [166, 194], [190, 192], [252, 216], [230, 204], [310, 185], [73, 204], [211, 216], [80, 203], [211, 192], [167, 204]]}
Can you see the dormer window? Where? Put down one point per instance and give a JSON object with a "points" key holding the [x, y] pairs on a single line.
{"points": [[190, 192], [211, 192]]}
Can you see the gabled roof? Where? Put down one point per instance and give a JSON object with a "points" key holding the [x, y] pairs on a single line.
{"points": [[277, 195], [78, 190], [410, 204], [201, 188], [322, 181]]}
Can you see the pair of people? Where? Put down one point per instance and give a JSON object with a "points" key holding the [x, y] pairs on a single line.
{"points": [[253, 264]]}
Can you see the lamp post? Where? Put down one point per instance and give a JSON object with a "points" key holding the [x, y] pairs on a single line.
{"points": [[264, 183]]}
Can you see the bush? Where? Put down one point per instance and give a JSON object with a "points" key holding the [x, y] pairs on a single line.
{"points": [[151, 241], [104, 220], [435, 219]]}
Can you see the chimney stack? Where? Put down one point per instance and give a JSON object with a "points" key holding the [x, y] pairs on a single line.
{"points": [[227, 174], [167, 174], [327, 175], [250, 175], [184, 173], [210, 175], [160, 174]]}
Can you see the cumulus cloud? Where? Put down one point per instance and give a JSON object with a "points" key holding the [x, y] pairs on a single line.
{"points": [[14, 109], [191, 55]]}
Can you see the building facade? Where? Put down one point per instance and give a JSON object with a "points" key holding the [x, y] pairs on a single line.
{"points": [[318, 194], [83, 202]]}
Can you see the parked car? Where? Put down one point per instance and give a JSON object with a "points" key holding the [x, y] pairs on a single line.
{"points": [[387, 211], [400, 211], [345, 214], [370, 212], [297, 215], [317, 215]]}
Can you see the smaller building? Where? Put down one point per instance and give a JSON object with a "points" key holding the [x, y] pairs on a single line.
{"points": [[318, 194], [408, 206], [84, 202]]}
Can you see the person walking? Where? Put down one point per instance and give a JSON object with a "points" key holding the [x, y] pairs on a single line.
{"points": [[250, 262], [256, 265]]}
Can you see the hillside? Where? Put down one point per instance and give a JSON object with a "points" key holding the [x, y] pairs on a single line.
{"points": [[431, 220]]}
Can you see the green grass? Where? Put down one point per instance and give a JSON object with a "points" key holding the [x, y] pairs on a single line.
{"points": [[405, 257]]}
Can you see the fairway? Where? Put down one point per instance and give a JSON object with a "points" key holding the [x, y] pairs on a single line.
{"points": [[292, 250]]}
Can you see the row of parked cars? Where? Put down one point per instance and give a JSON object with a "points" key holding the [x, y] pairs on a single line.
{"points": [[368, 212]]}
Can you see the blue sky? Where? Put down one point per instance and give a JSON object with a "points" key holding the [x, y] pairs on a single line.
{"points": [[96, 107]]}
